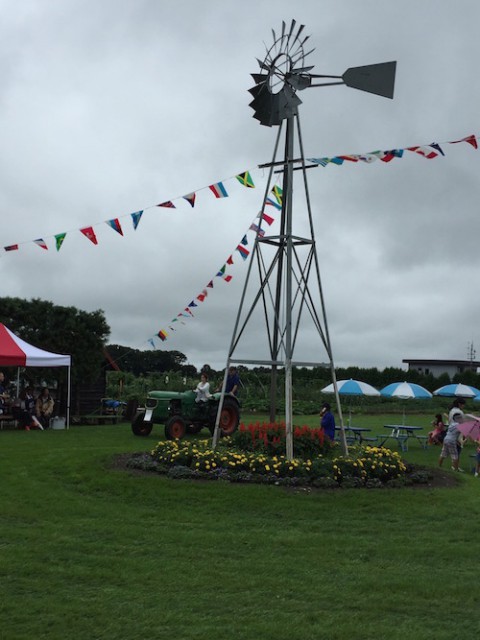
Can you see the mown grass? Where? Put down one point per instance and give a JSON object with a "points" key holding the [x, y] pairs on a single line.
{"points": [[88, 551]]}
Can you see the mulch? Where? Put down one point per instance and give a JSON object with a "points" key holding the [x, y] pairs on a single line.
{"points": [[438, 478]]}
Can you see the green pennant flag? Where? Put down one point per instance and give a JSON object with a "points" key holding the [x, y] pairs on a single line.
{"points": [[59, 240], [245, 179]]}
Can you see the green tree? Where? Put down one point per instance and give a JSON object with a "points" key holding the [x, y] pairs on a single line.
{"points": [[151, 361], [67, 330]]}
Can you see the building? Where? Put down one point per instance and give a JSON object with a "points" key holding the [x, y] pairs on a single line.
{"points": [[437, 367]]}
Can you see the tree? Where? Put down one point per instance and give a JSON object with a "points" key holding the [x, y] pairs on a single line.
{"points": [[143, 362], [67, 330]]}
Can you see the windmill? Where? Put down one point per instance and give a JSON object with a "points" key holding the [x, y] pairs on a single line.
{"points": [[288, 286]]}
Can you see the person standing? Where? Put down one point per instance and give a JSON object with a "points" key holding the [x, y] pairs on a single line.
{"points": [[327, 421], [455, 417], [233, 382]]}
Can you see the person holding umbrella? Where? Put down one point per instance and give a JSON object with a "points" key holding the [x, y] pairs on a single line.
{"points": [[455, 417]]}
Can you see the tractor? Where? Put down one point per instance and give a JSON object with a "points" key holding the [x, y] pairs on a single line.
{"points": [[181, 414]]}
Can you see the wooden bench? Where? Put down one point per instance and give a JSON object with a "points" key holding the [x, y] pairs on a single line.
{"points": [[100, 418]]}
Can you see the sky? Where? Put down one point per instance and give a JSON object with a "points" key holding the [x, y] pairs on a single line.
{"points": [[108, 108]]}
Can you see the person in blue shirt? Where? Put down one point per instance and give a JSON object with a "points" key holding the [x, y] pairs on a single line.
{"points": [[327, 421], [233, 382]]}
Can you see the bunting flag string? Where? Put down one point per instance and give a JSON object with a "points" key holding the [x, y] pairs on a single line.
{"points": [[218, 189], [222, 272], [429, 151]]}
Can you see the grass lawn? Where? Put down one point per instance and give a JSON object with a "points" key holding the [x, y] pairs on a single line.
{"points": [[90, 552]]}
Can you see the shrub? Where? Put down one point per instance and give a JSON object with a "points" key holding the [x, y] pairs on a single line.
{"points": [[269, 438]]}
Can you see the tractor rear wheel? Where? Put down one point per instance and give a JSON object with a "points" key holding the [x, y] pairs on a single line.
{"points": [[229, 416], [139, 426], [175, 428]]}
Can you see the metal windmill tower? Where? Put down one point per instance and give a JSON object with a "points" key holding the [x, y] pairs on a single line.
{"points": [[287, 290]]}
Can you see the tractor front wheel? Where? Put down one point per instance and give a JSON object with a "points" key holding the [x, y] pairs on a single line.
{"points": [[139, 426], [175, 428]]}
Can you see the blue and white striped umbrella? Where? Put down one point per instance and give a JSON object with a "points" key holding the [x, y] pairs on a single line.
{"points": [[457, 391], [352, 388], [405, 390]]}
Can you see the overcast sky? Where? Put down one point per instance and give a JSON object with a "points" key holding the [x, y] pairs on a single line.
{"points": [[108, 108]]}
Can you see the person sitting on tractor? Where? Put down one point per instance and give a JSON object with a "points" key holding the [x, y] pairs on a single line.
{"points": [[203, 389]]}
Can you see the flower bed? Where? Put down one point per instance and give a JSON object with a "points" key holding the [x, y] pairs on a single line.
{"points": [[253, 455]]}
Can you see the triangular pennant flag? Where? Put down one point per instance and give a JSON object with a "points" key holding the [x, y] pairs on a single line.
{"points": [[245, 179], [210, 284], [227, 278], [336, 160], [437, 147], [193, 304], [243, 252], [244, 240], [12, 247], [203, 295], [59, 238], [189, 312], [278, 193], [168, 204], [272, 203], [257, 229], [426, 152], [350, 158], [470, 139], [136, 218], [190, 198], [321, 161], [268, 219], [368, 157], [221, 272], [89, 233], [41, 243], [218, 190], [230, 260], [162, 335], [115, 224], [151, 343]]}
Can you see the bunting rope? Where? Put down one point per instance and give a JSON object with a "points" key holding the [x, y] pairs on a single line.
{"points": [[276, 202]]}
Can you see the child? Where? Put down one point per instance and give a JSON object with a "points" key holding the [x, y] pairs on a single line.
{"points": [[438, 434]]}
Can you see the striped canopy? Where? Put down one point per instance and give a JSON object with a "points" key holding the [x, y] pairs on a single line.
{"points": [[15, 352], [352, 388], [405, 390], [457, 390]]}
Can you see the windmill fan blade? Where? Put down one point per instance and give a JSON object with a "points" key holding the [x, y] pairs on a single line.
{"points": [[284, 26], [259, 77], [373, 78], [292, 27], [258, 89], [262, 65]]}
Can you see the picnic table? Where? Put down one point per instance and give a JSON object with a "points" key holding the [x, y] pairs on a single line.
{"points": [[356, 434], [402, 433]]}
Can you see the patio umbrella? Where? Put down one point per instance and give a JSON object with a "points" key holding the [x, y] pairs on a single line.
{"points": [[352, 388], [405, 391], [457, 391], [470, 429]]}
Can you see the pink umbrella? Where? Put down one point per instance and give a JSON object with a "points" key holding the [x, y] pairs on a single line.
{"points": [[470, 429]]}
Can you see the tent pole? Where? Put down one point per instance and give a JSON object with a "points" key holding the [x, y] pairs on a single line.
{"points": [[68, 398]]}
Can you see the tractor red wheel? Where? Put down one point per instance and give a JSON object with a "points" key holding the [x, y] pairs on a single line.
{"points": [[175, 428], [229, 417]]}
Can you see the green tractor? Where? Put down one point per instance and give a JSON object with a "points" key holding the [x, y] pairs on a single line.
{"points": [[180, 414]]}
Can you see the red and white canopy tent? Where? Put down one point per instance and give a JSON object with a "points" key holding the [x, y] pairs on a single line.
{"points": [[15, 352]]}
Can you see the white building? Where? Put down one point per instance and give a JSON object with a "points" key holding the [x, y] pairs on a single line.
{"points": [[437, 367]]}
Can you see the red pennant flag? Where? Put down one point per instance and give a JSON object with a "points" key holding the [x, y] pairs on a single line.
{"points": [[227, 278], [268, 219], [168, 204], [12, 247], [89, 233], [470, 139], [230, 260]]}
